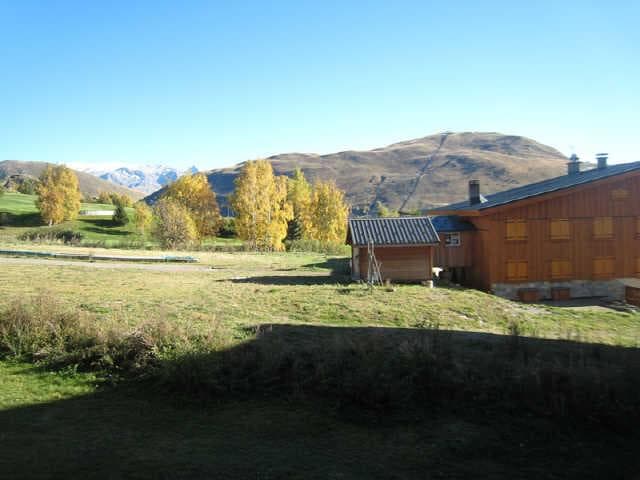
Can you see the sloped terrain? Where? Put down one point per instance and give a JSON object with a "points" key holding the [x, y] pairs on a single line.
{"points": [[90, 186], [420, 173]]}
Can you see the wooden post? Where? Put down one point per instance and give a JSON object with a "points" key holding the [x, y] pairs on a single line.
{"points": [[355, 263]]}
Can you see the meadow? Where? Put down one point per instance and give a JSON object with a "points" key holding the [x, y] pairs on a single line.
{"points": [[256, 365]]}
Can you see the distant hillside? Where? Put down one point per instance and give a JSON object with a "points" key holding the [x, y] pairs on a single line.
{"points": [[418, 174], [145, 178], [90, 186]]}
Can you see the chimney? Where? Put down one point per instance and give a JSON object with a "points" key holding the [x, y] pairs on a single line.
{"points": [[602, 160], [474, 192], [573, 166]]}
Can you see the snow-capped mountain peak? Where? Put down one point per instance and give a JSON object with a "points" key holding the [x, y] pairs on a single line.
{"points": [[144, 178]]}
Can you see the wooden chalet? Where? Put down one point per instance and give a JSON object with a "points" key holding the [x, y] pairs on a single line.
{"points": [[577, 235], [401, 247]]}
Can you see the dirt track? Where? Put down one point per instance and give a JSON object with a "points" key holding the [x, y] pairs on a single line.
{"points": [[159, 267]]}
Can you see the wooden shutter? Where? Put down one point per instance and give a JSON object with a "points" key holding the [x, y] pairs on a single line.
{"points": [[517, 270], [561, 269], [603, 267], [516, 230], [560, 229], [603, 227]]}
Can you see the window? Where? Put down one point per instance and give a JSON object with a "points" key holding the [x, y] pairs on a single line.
{"points": [[516, 230], [517, 270], [452, 239], [638, 266], [560, 229], [603, 267], [560, 269], [603, 227]]}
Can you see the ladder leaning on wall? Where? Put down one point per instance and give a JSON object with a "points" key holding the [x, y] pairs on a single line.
{"points": [[374, 277]]}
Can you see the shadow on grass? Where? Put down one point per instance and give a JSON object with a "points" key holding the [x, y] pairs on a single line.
{"points": [[292, 280], [20, 220], [107, 231], [337, 265], [323, 402]]}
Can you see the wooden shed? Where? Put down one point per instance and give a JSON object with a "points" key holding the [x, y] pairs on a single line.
{"points": [[403, 247]]}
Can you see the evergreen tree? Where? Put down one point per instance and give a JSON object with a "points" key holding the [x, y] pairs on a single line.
{"points": [[120, 216]]}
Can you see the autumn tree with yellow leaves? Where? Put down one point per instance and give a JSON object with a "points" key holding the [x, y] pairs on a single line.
{"points": [[142, 216], [58, 194], [299, 196], [194, 193], [328, 214], [261, 206]]}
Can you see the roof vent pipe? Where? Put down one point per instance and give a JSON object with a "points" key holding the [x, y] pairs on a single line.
{"points": [[474, 192], [602, 160], [573, 166]]}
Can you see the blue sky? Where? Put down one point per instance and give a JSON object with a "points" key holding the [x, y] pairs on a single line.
{"points": [[214, 83]]}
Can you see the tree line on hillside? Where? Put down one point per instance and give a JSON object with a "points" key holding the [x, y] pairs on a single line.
{"points": [[269, 209]]}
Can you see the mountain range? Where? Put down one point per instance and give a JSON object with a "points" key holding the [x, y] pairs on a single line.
{"points": [[146, 179], [416, 174], [15, 171]]}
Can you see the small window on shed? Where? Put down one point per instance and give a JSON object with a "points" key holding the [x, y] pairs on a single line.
{"points": [[603, 267], [517, 270], [603, 227], [452, 239], [560, 229], [560, 269], [516, 230]]}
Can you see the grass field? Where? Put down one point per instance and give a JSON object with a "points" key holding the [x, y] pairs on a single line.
{"points": [[21, 215], [272, 366]]}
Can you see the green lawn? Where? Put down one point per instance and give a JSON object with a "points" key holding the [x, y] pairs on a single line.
{"points": [[21, 215], [316, 401]]}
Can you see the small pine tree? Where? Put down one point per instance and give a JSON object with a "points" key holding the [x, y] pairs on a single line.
{"points": [[120, 216]]}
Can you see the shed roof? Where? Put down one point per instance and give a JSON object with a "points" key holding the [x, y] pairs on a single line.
{"points": [[545, 186], [392, 231], [451, 223]]}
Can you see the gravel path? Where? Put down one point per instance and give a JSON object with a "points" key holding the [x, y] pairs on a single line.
{"points": [[158, 267]]}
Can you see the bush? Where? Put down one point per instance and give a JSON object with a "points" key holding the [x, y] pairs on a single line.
{"points": [[228, 228], [52, 235], [328, 248], [44, 330], [120, 216], [174, 227]]}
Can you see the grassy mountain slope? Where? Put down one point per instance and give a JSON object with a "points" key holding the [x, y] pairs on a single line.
{"points": [[90, 186], [418, 173]]}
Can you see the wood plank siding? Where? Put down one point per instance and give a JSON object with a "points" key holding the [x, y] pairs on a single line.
{"points": [[448, 256], [589, 232], [399, 264]]}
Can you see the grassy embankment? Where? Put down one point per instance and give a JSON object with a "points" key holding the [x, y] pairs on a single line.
{"points": [[272, 366], [18, 215]]}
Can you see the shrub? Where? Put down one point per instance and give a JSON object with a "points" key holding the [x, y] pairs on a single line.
{"points": [[44, 330], [52, 235], [228, 228], [174, 227]]}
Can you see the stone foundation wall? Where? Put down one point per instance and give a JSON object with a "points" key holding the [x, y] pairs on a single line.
{"points": [[612, 289]]}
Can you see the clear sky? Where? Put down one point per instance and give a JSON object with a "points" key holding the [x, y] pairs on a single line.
{"points": [[214, 83]]}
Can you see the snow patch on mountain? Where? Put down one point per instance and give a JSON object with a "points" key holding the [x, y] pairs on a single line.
{"points": [[144, 178]]}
